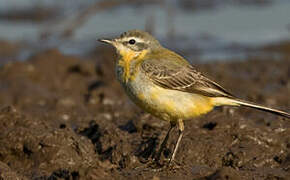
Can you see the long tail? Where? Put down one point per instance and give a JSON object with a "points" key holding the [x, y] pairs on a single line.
{"points": [[237, 102]]}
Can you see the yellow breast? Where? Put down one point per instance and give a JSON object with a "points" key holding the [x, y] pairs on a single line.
{"points": [[129, 60]]}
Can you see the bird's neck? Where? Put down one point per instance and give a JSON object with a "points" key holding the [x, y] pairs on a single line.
{"points": [[128, 61]]}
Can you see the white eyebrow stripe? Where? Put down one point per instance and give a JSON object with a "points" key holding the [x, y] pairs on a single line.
{"points": [[136, 39]]}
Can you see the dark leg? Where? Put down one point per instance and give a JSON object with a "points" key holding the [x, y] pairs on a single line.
{"points": [[164, 142], [181, 128]]}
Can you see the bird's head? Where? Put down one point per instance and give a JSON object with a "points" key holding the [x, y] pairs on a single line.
{"points": [[133, 42]]}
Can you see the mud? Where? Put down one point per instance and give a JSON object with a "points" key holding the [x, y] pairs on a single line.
{"points": [[9, 51], [65, 117], [33, 14]]}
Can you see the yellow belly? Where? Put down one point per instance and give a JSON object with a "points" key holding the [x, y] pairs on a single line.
{"points": [[172, 105], [169, 105]]}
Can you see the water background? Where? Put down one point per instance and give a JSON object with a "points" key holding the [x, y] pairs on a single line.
{"points": [[220, 31]]}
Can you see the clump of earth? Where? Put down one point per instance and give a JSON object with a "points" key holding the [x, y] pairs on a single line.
{"points": [[66, 117]]}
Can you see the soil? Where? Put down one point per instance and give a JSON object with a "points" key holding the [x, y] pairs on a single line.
{"points": [[66, 117], [33, 14]]}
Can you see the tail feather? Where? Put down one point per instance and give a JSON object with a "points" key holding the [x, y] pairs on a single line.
{"points": [[237, 102], [261, 107]]}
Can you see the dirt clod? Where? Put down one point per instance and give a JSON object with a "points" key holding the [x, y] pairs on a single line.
{"points": [[64, 117]]}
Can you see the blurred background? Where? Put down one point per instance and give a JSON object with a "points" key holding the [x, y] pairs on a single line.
{"points": [[203, 30], [63, 115]]}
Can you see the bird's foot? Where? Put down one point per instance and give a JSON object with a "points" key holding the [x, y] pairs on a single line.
{"points": [[171, 165]]}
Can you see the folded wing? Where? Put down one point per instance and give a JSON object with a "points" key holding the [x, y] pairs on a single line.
{"points": [[181, 76]]}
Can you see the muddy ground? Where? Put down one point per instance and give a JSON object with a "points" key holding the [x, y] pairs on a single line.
{"points": [[65, 117]]}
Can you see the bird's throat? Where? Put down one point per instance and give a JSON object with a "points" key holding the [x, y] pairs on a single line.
{"points": [[129, 60]]}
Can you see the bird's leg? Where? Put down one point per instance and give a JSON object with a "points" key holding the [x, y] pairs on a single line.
{"points": [[164, 142], [180, 130]]}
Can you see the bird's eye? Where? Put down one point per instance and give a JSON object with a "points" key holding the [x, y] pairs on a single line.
{"points": [[132, 41]]}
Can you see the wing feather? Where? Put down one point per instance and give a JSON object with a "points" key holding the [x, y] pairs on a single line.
{"points": [[182, 77]]}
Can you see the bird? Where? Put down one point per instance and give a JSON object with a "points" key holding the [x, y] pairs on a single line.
{"points": [[166, 85]]}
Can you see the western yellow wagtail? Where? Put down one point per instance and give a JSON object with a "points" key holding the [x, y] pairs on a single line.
{"points": [[164, 84]]}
